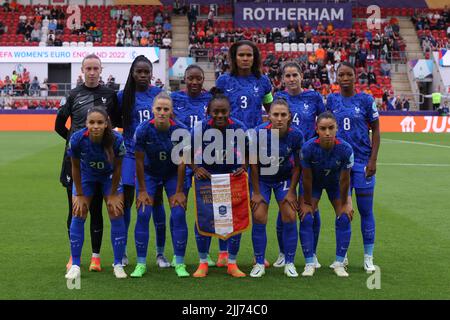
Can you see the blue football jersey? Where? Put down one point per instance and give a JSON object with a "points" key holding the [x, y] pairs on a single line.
{"points": [[246, 96], [289, 148], [354, 114], [157, 146], [93, 157], [142, 111], [326, 165], [219, 157], [304, 108], [190, 110]]}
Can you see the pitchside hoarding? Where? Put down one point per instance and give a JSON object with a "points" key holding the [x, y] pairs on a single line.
{"points": [[256, 15]]}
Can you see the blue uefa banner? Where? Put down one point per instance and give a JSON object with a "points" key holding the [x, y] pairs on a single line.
{"points": [[257, 15]]}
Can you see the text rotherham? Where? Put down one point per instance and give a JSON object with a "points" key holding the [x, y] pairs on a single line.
{"points": [[292, 14]]}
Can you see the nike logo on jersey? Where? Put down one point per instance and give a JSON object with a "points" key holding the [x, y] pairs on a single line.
{"points": [[229, 90], [81, 102]]}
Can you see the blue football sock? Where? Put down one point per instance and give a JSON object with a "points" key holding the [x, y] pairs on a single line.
{"points": [[208, 243], [180, 231], [316, 229], [290, 239], [223, 245], [76, 239], [259, 239], [280, 233], [118, 239], [202, 243], [307, 237], [343, 235], [127, 217], [141, 233], [233, 246], [159, 219], [364, 200]]}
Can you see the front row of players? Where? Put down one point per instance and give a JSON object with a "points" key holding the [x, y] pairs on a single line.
{"points": [[96, 153]]}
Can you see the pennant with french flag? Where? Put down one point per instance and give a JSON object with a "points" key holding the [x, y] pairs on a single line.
{"points": [[222, 205]]}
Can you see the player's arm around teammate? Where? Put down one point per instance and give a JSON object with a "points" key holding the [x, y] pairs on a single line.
{"points": [[282, 177], [96, 154], [326, 164]]}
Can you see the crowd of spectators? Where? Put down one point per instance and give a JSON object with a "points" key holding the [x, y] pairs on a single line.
{"points": [[371, 55], [433, 29], [132, 31], [46, 25]]}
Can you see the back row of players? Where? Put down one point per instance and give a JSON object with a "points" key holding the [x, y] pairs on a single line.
{"points": [[98, 158]]}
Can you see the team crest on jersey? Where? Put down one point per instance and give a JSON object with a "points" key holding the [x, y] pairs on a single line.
{"points": [[357, 109], [338, 162], [306, 106], [104, 100], [256, 89]]}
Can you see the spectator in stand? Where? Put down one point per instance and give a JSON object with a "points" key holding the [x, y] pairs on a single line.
{"points": [[26, 81], [6, 6], [97, 34], [167, 41], [371, 77], [211, 17], [321, 55], [335, 88], [330, 29], [136, 19], [167, 26], [405, 104], [120, 36], [362, 77], [144, 42], [36, 34], [159, 18], [135, 42], [128, 42], [34, 87]]}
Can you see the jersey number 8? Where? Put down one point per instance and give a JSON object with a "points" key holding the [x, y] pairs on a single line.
{"points": [[346, 124]]}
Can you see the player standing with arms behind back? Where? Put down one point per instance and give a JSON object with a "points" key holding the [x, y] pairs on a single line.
{"points": [[135, 102], [75, 106], [245, 86], [189, 107], [356, 113]]}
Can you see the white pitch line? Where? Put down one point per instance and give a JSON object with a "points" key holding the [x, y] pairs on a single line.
{"points": [[414, 164], [419, 143]]}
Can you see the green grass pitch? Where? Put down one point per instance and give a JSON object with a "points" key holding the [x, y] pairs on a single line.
{"points": [[412, 238]]}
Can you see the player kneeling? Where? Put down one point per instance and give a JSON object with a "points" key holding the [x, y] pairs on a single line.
{"points": [[96, 153], [326, 163]]}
